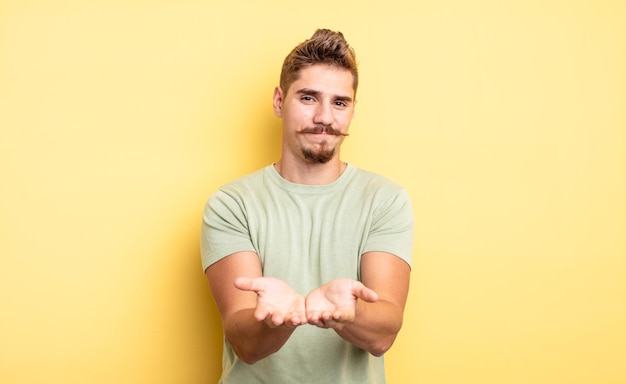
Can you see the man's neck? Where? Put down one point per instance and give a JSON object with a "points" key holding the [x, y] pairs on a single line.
{"points": [[309, 173]]}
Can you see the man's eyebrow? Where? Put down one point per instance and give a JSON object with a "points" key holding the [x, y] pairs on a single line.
{"points": [[347, 99], [307, 91], [313, 92]]}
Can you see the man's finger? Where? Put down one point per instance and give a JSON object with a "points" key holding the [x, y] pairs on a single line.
{"points": [[364, 293], [261, 313], [248, 284]]}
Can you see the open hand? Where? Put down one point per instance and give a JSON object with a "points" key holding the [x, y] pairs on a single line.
{"points": [[334, 303], [277, 303]]}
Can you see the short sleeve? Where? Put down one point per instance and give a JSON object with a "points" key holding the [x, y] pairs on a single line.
{"points": [[392, 227], [224, 229]]}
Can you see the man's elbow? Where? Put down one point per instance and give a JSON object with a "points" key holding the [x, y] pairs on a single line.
{"points": [[248, 357], [251, 355], [381, 346]]}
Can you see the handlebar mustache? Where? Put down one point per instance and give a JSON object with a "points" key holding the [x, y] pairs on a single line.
{"points": [[323, 129]]}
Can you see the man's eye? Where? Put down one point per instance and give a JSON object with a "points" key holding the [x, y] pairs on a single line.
{"points": [[306, 98], [341, 104]]}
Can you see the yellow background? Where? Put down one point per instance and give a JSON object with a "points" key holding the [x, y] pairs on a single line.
{"points": [[506, 122]]}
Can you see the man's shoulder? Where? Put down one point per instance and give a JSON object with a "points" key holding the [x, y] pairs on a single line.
{"points": [[374, 180], [239, 190], [248, 181]]}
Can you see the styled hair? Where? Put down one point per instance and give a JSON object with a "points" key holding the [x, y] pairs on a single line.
{"points": [[324, 47]]}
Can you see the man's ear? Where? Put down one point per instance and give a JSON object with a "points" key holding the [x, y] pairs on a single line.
{"points": [[278, 101]]}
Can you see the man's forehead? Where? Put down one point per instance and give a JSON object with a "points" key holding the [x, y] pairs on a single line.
{"points": [[324, 79]]}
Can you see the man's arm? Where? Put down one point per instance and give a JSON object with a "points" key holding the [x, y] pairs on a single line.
{"points": [[258, 314], [377, 324], [371, 322]]}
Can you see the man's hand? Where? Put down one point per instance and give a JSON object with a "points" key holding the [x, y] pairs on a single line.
{"points": [[277, 303], [334, 303]]}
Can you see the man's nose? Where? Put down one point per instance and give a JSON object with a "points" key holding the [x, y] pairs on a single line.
{"points": [[324, 114]]}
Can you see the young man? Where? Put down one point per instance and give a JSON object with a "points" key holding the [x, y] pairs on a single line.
{"points": [[309, 258]]}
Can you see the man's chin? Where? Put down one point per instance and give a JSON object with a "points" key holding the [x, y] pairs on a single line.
{"points": [[318, 157]]}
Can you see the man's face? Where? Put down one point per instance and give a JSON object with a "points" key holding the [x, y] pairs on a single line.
{"points": [[316, 111]]}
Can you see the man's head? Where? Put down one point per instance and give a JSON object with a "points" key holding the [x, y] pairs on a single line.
{"points": [[324, 47], [316, 98]]}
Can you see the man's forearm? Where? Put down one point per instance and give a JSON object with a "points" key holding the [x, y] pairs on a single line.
{"points": [[253, 340], [375, 326]]}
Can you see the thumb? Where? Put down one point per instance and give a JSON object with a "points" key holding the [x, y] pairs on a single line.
{"points": [[362, 292], [247, 284]]}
